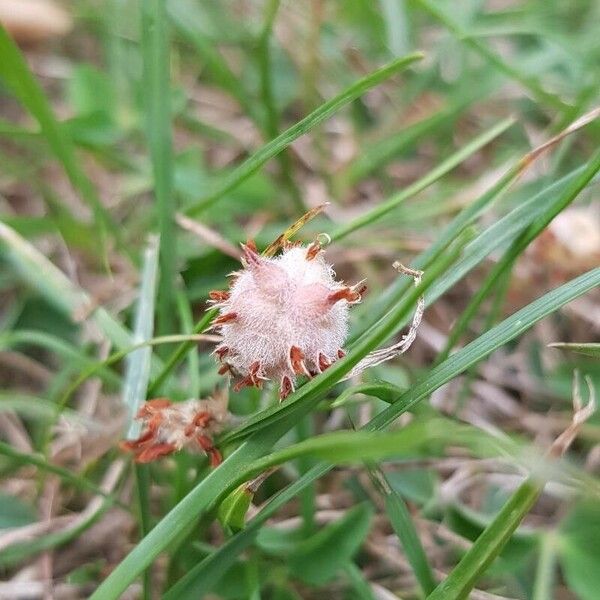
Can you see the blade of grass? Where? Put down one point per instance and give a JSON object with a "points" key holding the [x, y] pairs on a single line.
{"points": [[405, 529], [55, 287], [358, 581], [489, 544], [39, 462], [271, 125], [17, 75], [186, 321], [53, 343], [137, 373], [590, 349], [282, 141], [546, 567], [156, 59], [175, 358], [137, 369], [517, 248], [501, 232], [119, 355], [491, 340], [439, 171], [528, 82]]}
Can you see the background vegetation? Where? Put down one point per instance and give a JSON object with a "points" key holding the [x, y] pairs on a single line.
{"points": [[140, 142]]}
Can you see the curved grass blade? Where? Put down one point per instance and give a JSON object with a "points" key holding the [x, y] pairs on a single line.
{"points": [[51, 283], [590, 349], [518, 247], [282, 141], [59, 346], [439, 171], [377, 155], [468, 215], [39, 462], [513, 72], [501, 232], [15, 72]]}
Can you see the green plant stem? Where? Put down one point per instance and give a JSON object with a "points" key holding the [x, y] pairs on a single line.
{"points": [[156, 58], [142, 478], [175, 358], [271, 122], [545, 572]]}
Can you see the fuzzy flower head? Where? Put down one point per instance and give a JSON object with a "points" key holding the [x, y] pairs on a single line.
{"points": [[282, 317], [170, 426]]}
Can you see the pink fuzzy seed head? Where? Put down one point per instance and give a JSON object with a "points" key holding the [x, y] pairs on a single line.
{"points": [[168, 427], [282, 317]]}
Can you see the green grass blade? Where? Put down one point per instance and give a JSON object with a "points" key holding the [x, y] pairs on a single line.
{"points": [[282, 141], [137, 370], [439, 171], [175, 358], [156, 59], [39, 462], [489, 544], [491, 340], [405, 529], [186, 320], [16, 74], [518, 247], [55, 287], [378, 154], [590, 349], [511, 71], [361, 586], [501, 232], [52, 343]]}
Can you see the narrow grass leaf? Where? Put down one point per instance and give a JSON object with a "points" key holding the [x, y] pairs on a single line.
{"points": [[489, 544], [156, 60], [282, 141], [17, 75], [137, 370], [439, 171], [39, 462], [590, 349], [518, 246], [405, 529]]}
